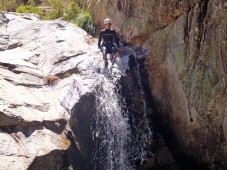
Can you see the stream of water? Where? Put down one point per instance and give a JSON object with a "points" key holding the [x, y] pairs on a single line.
{"points": [[116, 145]]}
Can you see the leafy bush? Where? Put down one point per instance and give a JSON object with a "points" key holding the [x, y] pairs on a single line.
{"points": [[56, 4], [58, 9], [54, 14], [81, 18], [31, 2], [85, 22], [72, 12], [29, 9]]}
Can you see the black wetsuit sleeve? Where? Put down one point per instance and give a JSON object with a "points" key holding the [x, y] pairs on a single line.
{"points": [[116, 39], [100, 39]]}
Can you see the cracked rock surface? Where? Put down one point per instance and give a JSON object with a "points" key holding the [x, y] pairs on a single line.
{"points": [[33, 115]]}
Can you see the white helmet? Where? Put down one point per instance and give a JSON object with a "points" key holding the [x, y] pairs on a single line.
{"points": [[107, 21]]}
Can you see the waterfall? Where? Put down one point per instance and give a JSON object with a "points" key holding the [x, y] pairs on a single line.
{"points": [[111, 127], [117, 146], [110, 119]]}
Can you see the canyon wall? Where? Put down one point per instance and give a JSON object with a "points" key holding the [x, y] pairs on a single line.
{"points": [[187, 60]]}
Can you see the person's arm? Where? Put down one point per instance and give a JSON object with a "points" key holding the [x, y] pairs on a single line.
{"points": [[100, 39], [116, 39]]}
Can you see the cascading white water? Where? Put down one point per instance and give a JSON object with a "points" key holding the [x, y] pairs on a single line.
{"points": [[115, 143], [112, 129]]}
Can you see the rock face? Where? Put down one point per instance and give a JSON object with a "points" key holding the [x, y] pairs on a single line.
{"points": [[187, 45], [187, 41], [33, 115], [59, 107]]}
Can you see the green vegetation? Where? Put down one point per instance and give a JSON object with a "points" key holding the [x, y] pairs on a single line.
{"points": [[72, 12], [84, 20], [57, 11], [79, 17], [68, 10], [29, 9], [67, 74]]}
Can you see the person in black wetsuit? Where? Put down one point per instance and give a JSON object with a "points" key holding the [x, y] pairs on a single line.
{"points": [[107, 36]]}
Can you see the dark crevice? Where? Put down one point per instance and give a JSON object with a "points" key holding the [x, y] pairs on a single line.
{"points": [[64, 58], [15, 45], [23, 84], [201, 21], [27, 128], [203, 8], [9, 66], [69, 72], [12, 68], [42, 108]]}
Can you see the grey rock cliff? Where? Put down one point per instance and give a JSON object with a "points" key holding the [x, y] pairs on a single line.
{"points": [[187, 41]]}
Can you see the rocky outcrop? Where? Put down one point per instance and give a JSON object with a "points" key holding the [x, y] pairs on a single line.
{"points": [[33, 115], [186, 41], [189, 80], [187, 66], [136, 20]]}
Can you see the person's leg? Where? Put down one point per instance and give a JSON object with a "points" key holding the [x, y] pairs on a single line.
{"points": [[104, 53], [116, 53], [105, 57]]}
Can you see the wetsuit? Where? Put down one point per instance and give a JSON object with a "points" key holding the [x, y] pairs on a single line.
{"points": [[107, 45]]}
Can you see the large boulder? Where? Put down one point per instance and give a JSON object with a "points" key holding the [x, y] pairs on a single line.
{"points": [[33, 115]]}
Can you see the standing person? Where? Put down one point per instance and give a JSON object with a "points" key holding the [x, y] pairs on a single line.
{"points": [[107, 36]]}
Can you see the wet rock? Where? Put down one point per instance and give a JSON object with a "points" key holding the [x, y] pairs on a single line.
{"points": [[136, 92], [164, 157], [149, 164]]}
